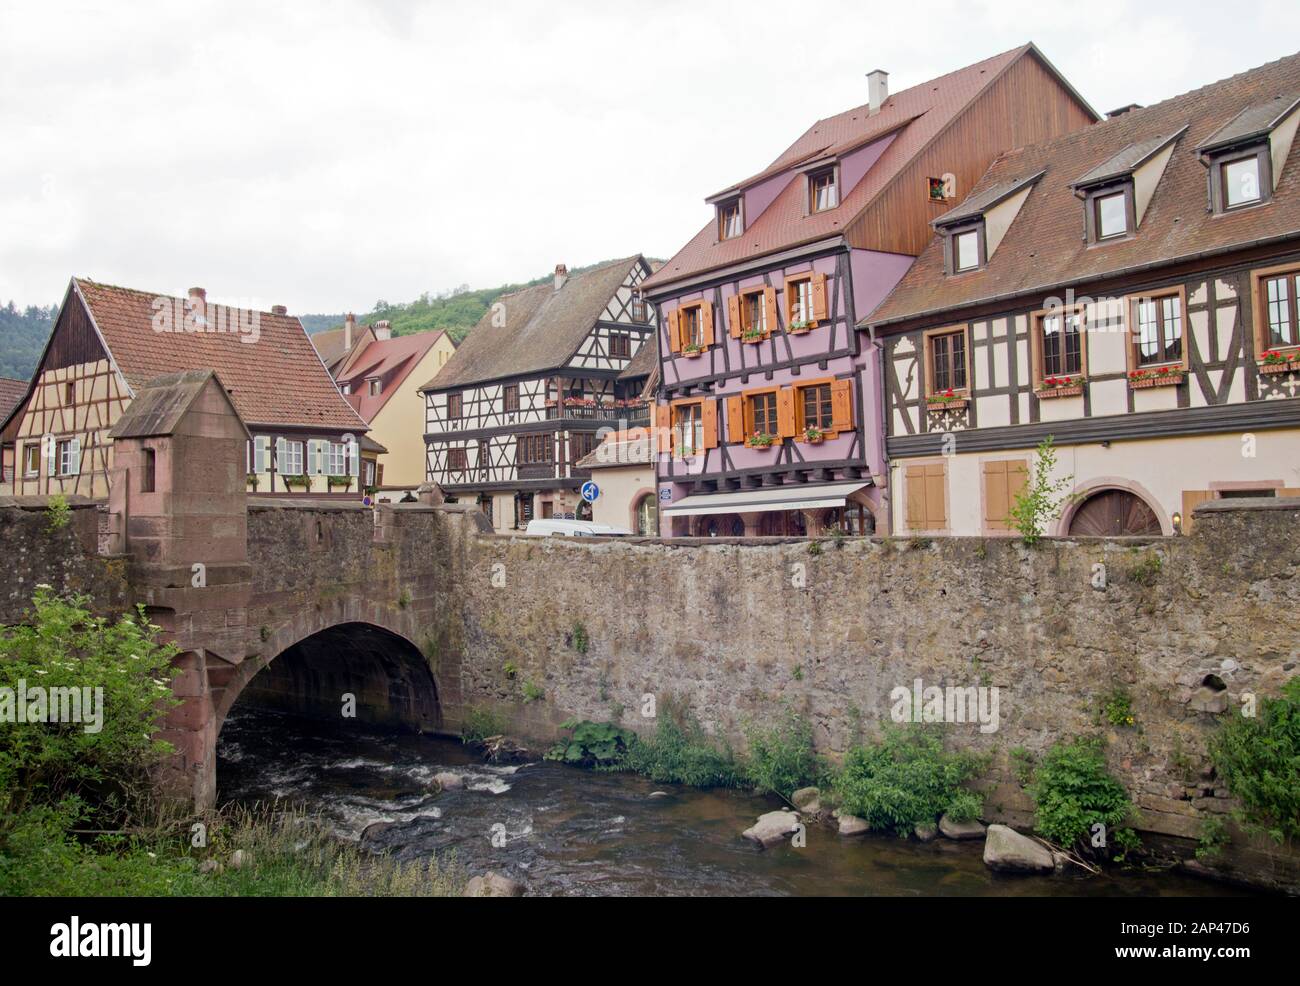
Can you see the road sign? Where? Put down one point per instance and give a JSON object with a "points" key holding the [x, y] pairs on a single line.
{"points": [[666, 494], [590, 491]]}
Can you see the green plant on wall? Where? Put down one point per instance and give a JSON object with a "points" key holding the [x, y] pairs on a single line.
{"points": [[1079, 803], [1042, 498], [1258, 758], [57, 513], [533, 692], [1117, 708], [578, 638]]}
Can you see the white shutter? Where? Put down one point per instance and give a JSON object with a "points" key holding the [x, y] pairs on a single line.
{"points": [[74, 457], [354, 457], [51, 457], [259, 454], [281, 455], [313, 457]]}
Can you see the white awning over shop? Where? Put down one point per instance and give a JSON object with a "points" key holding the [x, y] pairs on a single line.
{"points": [[804, 496]]}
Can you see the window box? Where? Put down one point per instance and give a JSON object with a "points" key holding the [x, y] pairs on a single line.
{"points": [[1060, 387], [762, 441], [691, 350], [798, 328], [290, 481], [1275, 362], [333, 481], [753, 336], [1160, 376], [252, 481], [814, 436], [948, 400]]}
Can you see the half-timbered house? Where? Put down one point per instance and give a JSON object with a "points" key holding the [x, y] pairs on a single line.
{"points": [[108, 342], [770, 410], [532, 386], [1130, 290]]}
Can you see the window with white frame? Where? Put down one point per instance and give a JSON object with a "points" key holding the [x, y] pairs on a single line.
{"points": [[336, 459], [69, 455]]}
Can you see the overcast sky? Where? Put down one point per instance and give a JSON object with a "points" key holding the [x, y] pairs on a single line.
{"points": [[324, 155]]}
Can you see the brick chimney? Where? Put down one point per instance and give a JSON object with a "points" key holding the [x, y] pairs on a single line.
{"points": [[279, 310], [877, 89], [383, 330], [198, 296], [349, 327], [561, 275]]}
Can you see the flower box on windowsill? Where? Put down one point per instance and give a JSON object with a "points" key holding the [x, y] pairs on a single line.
{"points": [[954, 402], [813, 436], [692, 353], [755, 339], [799, 328], [1165, 376], [1273, 362], [762, 442], [1060, 387]]}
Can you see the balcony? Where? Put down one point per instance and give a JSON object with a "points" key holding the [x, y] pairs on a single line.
{"points": [[633, 415]]}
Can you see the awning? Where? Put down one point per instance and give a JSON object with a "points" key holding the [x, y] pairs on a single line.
{"points": [[805, 496]]}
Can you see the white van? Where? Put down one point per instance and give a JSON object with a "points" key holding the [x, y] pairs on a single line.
{"points": [[552, 527]]}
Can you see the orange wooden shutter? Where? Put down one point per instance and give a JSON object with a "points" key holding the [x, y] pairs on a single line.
{"points": [[914, 478], [769, 302], [664, 427], [841, 405], [706, 323], [674, 331], [785, 412], [819, 298], [1193, 499], [709, 418], [936, 512], [995, 495], [733, 316], [736, 419]]}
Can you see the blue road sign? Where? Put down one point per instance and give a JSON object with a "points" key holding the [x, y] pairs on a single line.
{"points": [[590, 491]]}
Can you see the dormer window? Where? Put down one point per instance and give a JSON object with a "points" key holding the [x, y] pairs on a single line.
{"points": [[964, 248], [1241, 154], [374, 387], [823, 190], [730, 222], [1112, 214], [1241, 181]]}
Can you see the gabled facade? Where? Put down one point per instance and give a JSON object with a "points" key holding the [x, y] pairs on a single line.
{"points": [[1132, 292], [381, 379], [532, 385], [109, 342], [770, 411]]}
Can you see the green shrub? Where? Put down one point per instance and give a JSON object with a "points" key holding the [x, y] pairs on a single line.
{"points": [[578, 637], [1042, 498], [532, 691], [592, 744], [905, 779], [680, 753], [781, 758], [57, 513], [1117, 708], [480, 724], [1259, 760], [1074, 791]]}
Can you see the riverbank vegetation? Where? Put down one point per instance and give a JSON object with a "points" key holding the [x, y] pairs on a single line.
{"points": [[79, 815], [1258, 758]]}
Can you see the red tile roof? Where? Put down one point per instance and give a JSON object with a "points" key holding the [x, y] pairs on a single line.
{"points": [[1043, 249], [916, 115], [276, 380], [11, 392], [391, 360]]}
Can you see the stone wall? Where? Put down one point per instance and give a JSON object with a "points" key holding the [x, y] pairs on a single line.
{"points": [[1186, 627]]}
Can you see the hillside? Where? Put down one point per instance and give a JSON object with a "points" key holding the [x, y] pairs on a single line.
{"points": [[22, 337], [455, 311]]}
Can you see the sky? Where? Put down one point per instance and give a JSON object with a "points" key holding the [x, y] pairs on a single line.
{"points": [[324, 155]]}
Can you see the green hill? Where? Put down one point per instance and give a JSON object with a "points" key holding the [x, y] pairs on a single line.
{"points": [[22, 337]]}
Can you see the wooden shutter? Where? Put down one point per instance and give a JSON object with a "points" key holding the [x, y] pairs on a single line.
{"points": [[709, 419], [733, 316], [354, 457], [1191, 500], [664, 427], [706, 323], [736, 419], [936, 511], [914, 478], [674, 331], [769, 302], [926, 509], [259, 453], [74, 457], [841, 405], [51, 457], [819, 298], [785, 412], [1004, 479]]}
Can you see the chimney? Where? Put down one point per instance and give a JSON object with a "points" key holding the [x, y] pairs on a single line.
{"points": [[349, 326], [198, 295], [1122, 110], [279, 310], [561, 275], [877, 89], [383, 330]]}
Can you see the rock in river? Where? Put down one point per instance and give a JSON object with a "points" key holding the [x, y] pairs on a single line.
{"points": [[1007, 851], [960, 830], [853, 825], [772, 828], [492, 884]]}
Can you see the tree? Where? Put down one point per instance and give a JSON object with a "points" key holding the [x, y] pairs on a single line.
{"points": [[1042, 498]]}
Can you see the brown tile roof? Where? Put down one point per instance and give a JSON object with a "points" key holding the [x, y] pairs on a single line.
{"points": [[277, 380], [1043, 249], [330, 344], [541, 328], [645, 361], [391, 360], [11, 392], [917, 115]]}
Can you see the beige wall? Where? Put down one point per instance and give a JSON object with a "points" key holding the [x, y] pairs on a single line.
{"points": [[399, 425], [1158, 470], [620, 488]]}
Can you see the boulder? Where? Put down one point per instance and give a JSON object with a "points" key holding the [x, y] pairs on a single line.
{"points": [[772, 828], [926, 831], [239, 859], [492, 884], [804, 797], [852, 825], [209, 866], [1007, 851], [960, 830], [449, 781]]}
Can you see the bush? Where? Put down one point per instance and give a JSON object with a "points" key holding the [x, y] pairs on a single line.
{"points": [[480, 724], [1074, 791], [781, 759], [1259, 760], [680, 753], [592, 744], [906, 779]]}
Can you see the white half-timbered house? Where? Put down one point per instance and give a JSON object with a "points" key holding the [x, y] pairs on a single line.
{"points": [[532, 390]]}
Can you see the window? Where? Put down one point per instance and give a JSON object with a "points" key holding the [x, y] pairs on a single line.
{"points": [[148, 470], [730, 224], [688, 429], [346, 388], [620, 345], [69, 457], [692, 327], [1111, 214], [457, 460], [938, 189], [69, 393], [947, 356], [639, 312], [369, 473], [760, 415], [289, 458], [966, 250], [1157, 330], [1280, 295], [646, 520], [375, 387], [32, 459], [510, 394], [1060, 344], [483, 447], [823, 192], [799, 305], [753, 308], [455, 406], [1241, 181], [336, 458], [535, 449], [815, 407], [581, 443]]}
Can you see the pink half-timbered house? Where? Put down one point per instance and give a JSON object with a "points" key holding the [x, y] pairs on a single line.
{"points": [[769, 416]]}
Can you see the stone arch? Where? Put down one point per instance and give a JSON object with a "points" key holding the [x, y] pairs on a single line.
{"points": [[1086, 491]]}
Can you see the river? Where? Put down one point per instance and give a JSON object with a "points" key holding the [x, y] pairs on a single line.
{"points": [[566, 831]]}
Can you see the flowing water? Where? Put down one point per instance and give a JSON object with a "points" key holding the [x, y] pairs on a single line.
{"points": [[575, 832]]}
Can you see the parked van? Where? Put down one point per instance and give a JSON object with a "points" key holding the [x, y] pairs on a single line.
{"points": [[552, 527]]}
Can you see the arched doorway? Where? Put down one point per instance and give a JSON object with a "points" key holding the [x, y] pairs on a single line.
{"points": [[647, 520], [1114, 513], [720, 526]]}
